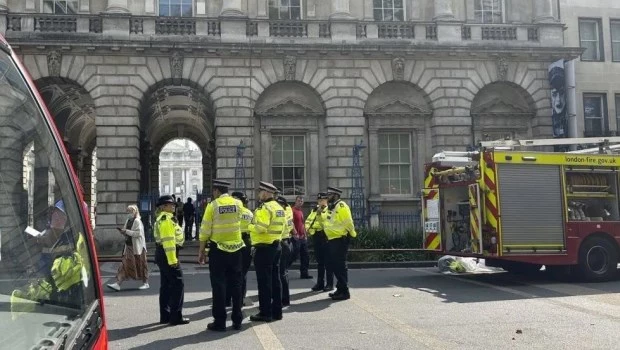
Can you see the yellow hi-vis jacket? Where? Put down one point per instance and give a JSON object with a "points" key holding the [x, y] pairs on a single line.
{"points": [[338, 221], [314, 222], [288, 225], [268, 224], [246, 220], [169, 234], [221, 223]]}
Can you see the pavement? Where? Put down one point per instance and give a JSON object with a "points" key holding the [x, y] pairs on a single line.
{"points": [[400, 308]]}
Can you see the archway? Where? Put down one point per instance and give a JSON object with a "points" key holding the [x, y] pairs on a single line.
{"points": [[290, 121], [180, 169], [175, 110], [502, 110], [73, 110]]}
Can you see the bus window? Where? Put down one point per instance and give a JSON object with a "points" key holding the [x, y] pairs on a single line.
{"points": [[47, 285]]}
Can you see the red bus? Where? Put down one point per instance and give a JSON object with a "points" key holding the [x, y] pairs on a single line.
{"points": [[50, 288]]}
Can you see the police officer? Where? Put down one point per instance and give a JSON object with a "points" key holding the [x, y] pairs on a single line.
{"points": [[169, 239], [338, 225], [265, 233], [287, 250], [246, 252], [314, 227], [221, 229]]}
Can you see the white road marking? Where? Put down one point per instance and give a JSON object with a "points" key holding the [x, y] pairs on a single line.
{"points": [[266, 337]]}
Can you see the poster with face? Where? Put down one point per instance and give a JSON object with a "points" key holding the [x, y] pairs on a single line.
{"points": [[558, 99]]}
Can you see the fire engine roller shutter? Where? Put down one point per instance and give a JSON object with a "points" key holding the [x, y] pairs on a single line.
{"points": [[530, 199]]}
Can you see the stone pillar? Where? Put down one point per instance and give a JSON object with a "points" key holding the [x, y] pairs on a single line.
{"points": [[171, 182], [149, 7], [543, 11], [262, 9], [118, 176], [373, 158], [231, 8], [117, 6], [343, 27], [444, 10], [340, 9], [369, 14]]}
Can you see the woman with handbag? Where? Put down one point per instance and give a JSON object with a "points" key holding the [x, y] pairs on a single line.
{"points": [[134, 264]]}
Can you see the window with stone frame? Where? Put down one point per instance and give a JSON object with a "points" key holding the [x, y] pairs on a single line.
{"points": [[389, 10], [288, 163], [176, 8], [395, 163], [595, 115], [615, 40], [590, 35], [285, 9], [60, 7], [489, 11]]}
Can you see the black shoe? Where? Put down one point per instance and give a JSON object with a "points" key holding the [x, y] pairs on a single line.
{"points": [[237, 326], [164, 321], [216, 328], [336, 293], [342, 296], [328, 288], [306, 277], [317, 288], [277, 318], [260, 318], [183, 320], [286, 303]]}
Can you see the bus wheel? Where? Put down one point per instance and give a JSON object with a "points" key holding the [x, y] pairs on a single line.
{"points": [[598, 260]]}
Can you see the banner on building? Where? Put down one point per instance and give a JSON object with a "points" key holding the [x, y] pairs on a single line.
{"points": [[557, 81]]}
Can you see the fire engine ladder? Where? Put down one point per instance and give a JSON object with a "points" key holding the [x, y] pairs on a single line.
{"points": [[603, 142]]}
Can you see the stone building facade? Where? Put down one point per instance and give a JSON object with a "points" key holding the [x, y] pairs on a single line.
{"points": [[180, 169], [594, 25], [299, 84]]}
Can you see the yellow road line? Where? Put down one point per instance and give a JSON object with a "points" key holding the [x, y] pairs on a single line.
{"points": [[266, 337], [416, 334]]}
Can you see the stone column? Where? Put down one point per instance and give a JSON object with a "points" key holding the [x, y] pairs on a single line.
{"points": [[231, 8], [444, 10], [373, 158], [117, 6], [149, 7], [262, 9], [543, 11], [369, 14], [340, 9]]}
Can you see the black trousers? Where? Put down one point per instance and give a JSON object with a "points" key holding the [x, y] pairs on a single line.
{"points": [[267, 265], [171, 290], [285, 259], [246, 262], [321, 252], [189, 224], [338, 249], [301, 250], [225, 273]]}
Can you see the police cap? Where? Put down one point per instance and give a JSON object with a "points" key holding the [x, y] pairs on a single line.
{"points": [[163, 200], [322, 195], [334, 190], [266, 186], [221, 183]]}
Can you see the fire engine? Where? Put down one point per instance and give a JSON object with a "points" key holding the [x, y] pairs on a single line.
{"points": [[520, 209]]}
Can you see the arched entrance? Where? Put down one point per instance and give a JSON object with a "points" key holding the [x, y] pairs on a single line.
{"points": [[502, 110], [73, 110], [175, 110], [180, 169]]}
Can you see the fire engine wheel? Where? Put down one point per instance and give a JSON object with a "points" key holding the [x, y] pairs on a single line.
{"points": [[598, 260]]}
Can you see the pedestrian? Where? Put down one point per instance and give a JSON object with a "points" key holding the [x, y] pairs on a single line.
{"points": [[246, 259], [220, 228], [133, 264], [300, 239], [179, 212], [314, 227], [339, 228], [168, 240], [287, 252], [265, 233], [189, 212]]}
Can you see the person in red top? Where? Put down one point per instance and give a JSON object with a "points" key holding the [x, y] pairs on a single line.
{"points": [[300, 241]]}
